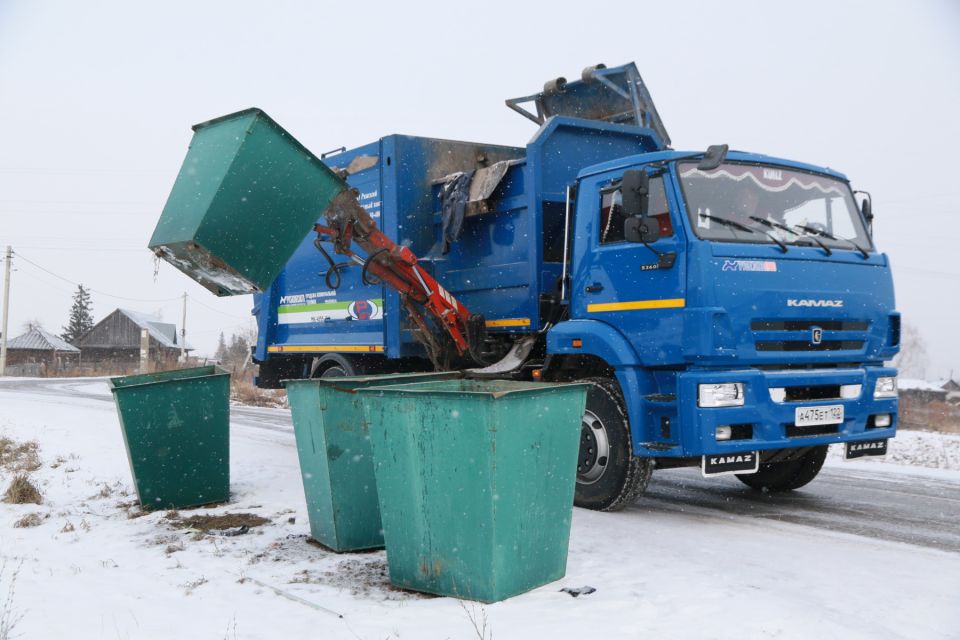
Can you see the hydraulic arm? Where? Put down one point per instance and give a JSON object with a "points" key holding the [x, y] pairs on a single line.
{"points": [[396, 266]]}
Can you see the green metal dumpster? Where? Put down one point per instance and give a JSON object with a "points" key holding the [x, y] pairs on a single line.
{"points": [[176, 428], [336, 462], [247, 195], [475, 481]]}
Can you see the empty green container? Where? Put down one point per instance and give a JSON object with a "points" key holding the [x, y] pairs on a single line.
{"points": [[336, 462], [247, 195], [176, 428], [475, 481]]}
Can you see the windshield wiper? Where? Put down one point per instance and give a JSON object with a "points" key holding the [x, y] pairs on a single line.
{"points": [[777, 225], [736, 225], [827, 234]]}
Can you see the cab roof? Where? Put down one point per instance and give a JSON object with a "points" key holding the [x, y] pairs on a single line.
{"points": [[669, 156]]}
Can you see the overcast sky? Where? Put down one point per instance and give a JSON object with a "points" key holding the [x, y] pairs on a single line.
{"points": [[97, 100]]}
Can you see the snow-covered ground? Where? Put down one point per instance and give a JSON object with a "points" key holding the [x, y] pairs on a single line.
{"points": [[89, 570]]}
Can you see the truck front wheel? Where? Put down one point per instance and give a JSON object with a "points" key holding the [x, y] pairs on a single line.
{"points": [[609, 477], [789, 475]]}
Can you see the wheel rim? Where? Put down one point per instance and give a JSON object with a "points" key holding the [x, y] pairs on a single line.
{"points": [[594, 449], [336, 371]]}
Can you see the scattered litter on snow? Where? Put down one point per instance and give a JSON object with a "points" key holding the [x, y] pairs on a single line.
{"points": [[578, 591], [217, 523]]}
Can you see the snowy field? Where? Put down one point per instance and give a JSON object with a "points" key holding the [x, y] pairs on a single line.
{"points": [[90, 569]]}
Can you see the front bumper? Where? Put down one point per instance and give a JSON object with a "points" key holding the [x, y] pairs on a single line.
{"points": [[771, 423]]}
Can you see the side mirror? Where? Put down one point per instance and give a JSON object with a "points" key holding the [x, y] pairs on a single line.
{"points": [[635, 189], [641, 229], [866, 208], [714, 157]]}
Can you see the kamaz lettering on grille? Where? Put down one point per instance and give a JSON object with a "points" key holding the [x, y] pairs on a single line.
{"points": [[833, 304]]}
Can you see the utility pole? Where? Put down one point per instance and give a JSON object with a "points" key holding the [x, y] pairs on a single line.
{"points": [[183, 331], [6, 309], [144, 351]]}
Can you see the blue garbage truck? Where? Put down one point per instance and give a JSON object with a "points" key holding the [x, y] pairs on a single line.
{"points": [[729, 309]]}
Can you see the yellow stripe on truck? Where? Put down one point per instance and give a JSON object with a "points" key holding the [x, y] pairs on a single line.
{"points": [[364, 348], [509, 322], [670, 303]]}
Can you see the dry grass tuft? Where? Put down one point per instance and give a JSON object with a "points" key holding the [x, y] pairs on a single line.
{"points": [[22, 491], [242, 390], [19, 457], [27, 521]]}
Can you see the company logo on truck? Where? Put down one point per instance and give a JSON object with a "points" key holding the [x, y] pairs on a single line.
{"points": [[821, 303], [292, 311]]}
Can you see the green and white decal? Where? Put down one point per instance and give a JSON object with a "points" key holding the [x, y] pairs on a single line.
{"points": [[330, 310]]}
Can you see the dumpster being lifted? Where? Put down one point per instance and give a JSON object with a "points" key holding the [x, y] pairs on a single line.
{"points": [[176, 428], [475, 480], [245, 196]]}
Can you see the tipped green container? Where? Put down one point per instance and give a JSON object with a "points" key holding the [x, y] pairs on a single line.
{"points": [[475, 481], [247, 195], [176, 428], [336, 462]]}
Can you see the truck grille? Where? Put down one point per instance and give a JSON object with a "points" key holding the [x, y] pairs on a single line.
{"points": [[797, 335]]}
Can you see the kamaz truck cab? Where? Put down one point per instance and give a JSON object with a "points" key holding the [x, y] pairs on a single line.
{"points": [[730, 309], [735, 314]]}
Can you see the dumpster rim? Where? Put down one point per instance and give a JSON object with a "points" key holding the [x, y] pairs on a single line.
{"points": [[405, 389], [257, 112], [217, 371], [333, 382]]}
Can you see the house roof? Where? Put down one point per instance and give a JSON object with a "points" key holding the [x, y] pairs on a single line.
{"points": [[38, 339], [163, 332]]}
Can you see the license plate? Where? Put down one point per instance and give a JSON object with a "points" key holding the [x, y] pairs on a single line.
{"points": [[868, 448], [812, 416], [719, 464]]}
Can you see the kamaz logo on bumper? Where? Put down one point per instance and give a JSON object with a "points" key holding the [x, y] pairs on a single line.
{"points": [[833, 304]]}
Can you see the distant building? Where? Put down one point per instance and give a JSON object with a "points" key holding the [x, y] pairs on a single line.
{"points": [[113, 344], [40, 353]]}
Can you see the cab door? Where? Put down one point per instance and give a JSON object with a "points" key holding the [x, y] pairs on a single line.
{"points": [[637, 288]]}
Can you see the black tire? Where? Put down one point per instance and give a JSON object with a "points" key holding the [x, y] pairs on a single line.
{"points": [[334, 371], [614, 483], [786, 476], [336, 366]]}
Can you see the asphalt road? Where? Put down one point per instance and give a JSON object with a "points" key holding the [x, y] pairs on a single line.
{"points": [[901, 507]]}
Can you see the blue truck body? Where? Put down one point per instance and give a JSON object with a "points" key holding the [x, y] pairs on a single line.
{"points": [[722, 312]]}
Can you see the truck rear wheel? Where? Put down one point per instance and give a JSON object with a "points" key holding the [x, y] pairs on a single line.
{"points": [[787, 476], [609, 477], [334, 366]]}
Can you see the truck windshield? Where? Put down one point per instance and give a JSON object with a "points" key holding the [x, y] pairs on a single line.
{"points": [[793, 206]]}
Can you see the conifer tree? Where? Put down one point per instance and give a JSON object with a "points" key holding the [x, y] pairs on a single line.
{"points": [[221, 352], [81, 316]]}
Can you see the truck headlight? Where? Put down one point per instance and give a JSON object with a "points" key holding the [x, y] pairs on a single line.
{"points": [[886, 387], [726, 394]]}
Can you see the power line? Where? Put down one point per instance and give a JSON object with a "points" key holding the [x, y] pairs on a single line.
{"points": [[229, 315], [92, 290]]}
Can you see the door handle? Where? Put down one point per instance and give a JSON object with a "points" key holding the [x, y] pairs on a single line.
{"points": [[596, 287]]}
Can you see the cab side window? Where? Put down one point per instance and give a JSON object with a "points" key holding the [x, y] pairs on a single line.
{"points": [[612, 216]]}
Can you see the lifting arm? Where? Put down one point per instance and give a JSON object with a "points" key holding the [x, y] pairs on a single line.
{"points": [[348, 222]]}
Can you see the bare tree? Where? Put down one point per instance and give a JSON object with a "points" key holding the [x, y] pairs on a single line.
{"points": [[31, 324], [912, 361]]}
